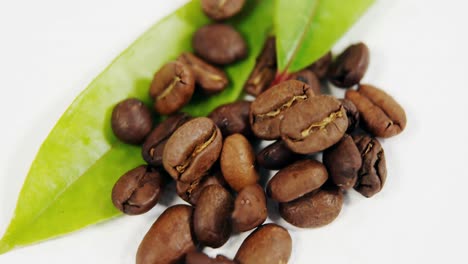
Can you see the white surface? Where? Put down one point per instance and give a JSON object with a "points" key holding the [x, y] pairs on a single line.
{"points": [[50, 50]]}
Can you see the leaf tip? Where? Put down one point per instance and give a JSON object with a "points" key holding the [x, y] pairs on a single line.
{"points": [[5, 246]]}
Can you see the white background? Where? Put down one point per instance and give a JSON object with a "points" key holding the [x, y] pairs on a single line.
{"points": [[51, 49]]}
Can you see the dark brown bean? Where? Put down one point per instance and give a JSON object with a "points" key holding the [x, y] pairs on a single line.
{"points": [[276, 156], [269, 244], [138, 190], [201, 258], [381, 115], [352, 113], [265, 70], [131, 121], [350, 66], [238, 162], [172, 87], [219, 44], [233, 118], [343, 162], [315, 209], [373, 173], [211, 79], [250, 209], [308, 77], [190, 192], [267, 111], [169, 239], [297, 179], [192, 150], [317, 124], [222, 9], [152, 149], [320, 67], [211, 218]]}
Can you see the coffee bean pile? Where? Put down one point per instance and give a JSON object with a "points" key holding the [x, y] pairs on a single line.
{"points": [[213, 160]]}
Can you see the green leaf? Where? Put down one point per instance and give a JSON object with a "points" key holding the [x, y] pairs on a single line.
{"points": [[69, 184], [307, 29]]}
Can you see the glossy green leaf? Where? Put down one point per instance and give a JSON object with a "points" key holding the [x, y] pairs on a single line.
{"points": [[307, 29], [69, 184]]}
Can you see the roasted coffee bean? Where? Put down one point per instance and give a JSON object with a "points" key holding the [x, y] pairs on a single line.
{"points": [[269, 244], [265, 70], [138, 190], [211, 79], [219, 44], [381, 115], [315, 209], [352, 113], [131, 121], [192, 150], [297, 179], [276, 156], [201, 258], [233, 118], [320, 67], [317, 124], [267, 111], [343, 162], [190, 192], [172, 87], [238, 162], [169, 239], [373, 172], [250, 209], [308, 77], [211, 218], [350, 66], [152, 149], [222, 9]]}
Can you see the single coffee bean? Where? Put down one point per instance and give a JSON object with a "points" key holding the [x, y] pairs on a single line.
{"points": [[233, 118], [211, 79], [315, 209], [172, 87], [350, 66], [373, 173], [317, 124], [297, 179], [320, 67], [222, 9], [192, 150], [250, 209], [352, 113], [238, 162], [265, 69], [308, 77], [201, 258], [169, 239], [211, 218], [190, 192], [381, 115], [219, 44], [138, 190], [267, 111], [343, 162], [276, 156], [269, 244], [131, 121], [152, 149]]}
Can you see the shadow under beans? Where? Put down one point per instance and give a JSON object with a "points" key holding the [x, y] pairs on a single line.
{"points": [[273, 210], [264, 176], [169, 195]]}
